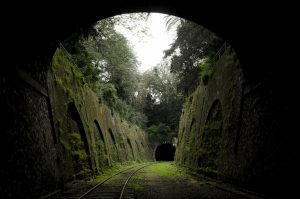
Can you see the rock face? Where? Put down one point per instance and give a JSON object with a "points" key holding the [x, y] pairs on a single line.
{"points": [[232, 129], [90, 135]]}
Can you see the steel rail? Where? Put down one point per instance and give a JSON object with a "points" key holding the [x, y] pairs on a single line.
{"points": [[123, 189], [99, 184]]}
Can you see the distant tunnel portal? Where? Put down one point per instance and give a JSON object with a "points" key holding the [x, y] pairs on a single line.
{"points": [[165, 152]]}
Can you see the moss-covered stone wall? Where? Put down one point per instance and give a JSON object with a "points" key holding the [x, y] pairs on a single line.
{"points": [[91, 136], [230, 129]]}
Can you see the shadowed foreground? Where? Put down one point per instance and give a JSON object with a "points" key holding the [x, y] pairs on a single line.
{"points": [[166, 180], [159, 180]]}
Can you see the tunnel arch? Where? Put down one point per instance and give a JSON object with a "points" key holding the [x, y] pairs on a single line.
{"points": [[165, 152], [69, 22], [185, 135], [159, 8], [36, 47]]}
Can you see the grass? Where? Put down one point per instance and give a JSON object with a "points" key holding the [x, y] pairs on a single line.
{"points": [[165, 169], [136, 186], [107, 172]]}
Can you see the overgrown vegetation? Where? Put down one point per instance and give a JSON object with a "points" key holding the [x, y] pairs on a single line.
{"points": [[161, 132], [205, 70], [152, 100], [162, 169], [190, 54], [105, 59]]}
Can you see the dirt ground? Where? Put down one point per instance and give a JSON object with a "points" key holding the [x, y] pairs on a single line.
{"points": [[165, 180], [162, 180]]}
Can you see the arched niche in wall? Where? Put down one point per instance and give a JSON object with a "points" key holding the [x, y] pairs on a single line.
{"points": [[211, 137], [130, 145], [112, 136], [192, 127], [181, 136], [101, 143], [137, 145], [79, 143], [100, 133], [114, 151]]}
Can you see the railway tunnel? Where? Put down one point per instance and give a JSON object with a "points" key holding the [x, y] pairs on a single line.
{"points": [[165, 152], [32, 166]]}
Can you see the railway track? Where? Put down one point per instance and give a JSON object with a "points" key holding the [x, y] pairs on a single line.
{"points": [[114, 187]]}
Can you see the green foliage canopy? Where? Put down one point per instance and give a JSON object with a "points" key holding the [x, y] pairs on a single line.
{"points": [[193, 44]]}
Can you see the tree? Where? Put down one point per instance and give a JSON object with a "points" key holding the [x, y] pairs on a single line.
{"points": [[162, 103], [108, 64], [160, 132], [193, 44]]}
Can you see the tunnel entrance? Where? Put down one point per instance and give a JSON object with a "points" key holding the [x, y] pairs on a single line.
{"points": [[165, 152]]}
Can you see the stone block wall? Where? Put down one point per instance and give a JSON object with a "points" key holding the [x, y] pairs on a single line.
{"points": [[235, 130]]}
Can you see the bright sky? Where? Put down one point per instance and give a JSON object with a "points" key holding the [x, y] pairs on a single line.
{"points": [[149, 49]]}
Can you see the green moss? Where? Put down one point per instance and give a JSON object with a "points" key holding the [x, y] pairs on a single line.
{"points": [[205, 71], [117, 167], [77, 74], [230, 59], [57, 59], [59, 122], [57, 80], [70, 87], [69, 92], [213, 126], [65, 144], [165, 169], [188, 102], [68, 79], [82, 174], [89, 129], [136, 186]]}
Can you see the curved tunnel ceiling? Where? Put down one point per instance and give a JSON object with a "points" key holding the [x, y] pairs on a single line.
{"points": [[38, 29]]}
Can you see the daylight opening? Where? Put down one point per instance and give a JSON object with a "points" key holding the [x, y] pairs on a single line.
{"points": [[135, 75]]}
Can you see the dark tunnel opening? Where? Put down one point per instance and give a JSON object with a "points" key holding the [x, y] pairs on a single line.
{"points": [[165, 152]]}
